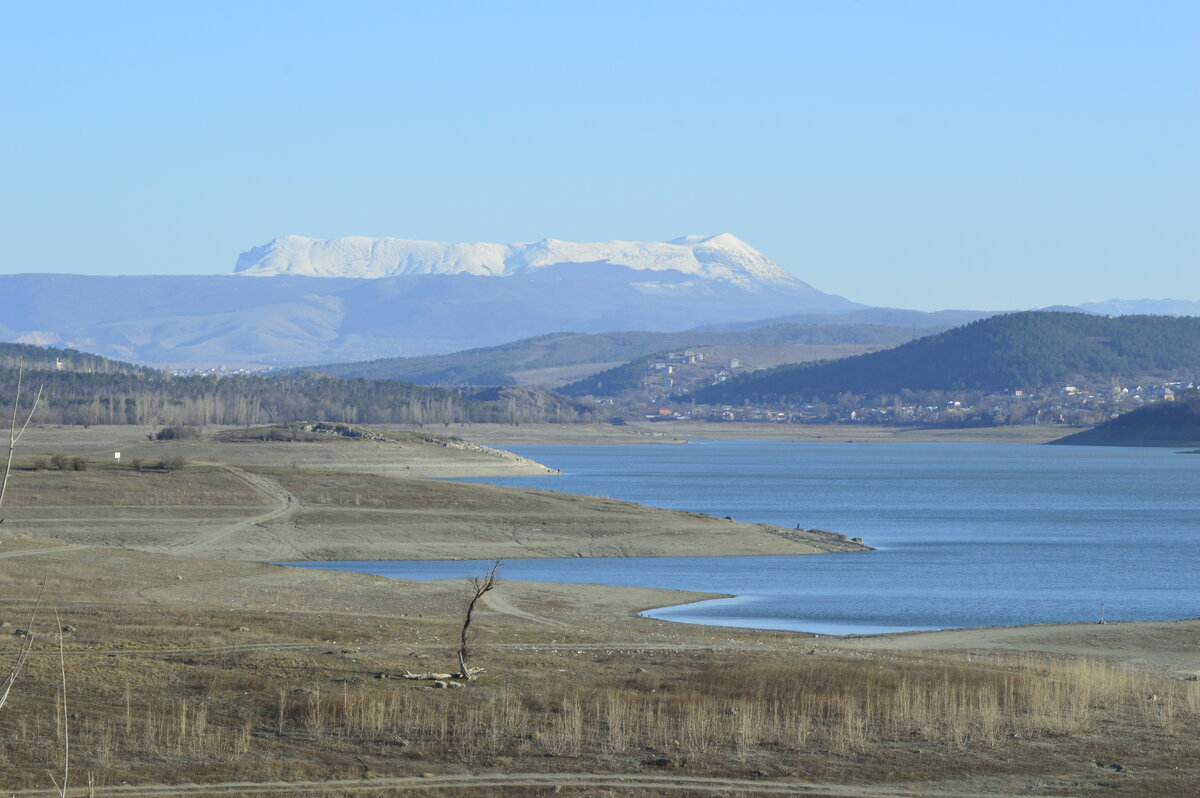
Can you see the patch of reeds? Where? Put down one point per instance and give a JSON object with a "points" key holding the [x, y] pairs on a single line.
{"points": [[723, 716], [728, 712]]}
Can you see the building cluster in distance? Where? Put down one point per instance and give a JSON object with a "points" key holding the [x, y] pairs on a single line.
{"points": [[1066, 404], [216, 371]]}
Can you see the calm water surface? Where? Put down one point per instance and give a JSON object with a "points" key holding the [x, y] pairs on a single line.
{"points": [[966, 534]]}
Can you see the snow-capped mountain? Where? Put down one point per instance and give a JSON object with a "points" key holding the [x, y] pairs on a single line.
{"points": [[721, 257], [353, 298]]}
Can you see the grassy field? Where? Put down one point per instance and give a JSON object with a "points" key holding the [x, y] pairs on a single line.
{"points": [[264, 513]]}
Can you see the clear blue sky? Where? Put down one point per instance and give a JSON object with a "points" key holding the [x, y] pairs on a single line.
{"points": [[915, 154]]}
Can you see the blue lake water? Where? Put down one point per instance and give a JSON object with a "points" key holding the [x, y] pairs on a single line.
{"points": [[966, 534]]}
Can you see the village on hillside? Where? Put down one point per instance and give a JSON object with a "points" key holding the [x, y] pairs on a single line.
{"points": [[662, 397]]}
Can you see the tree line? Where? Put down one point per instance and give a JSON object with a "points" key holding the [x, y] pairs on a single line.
{"points": [[116, 395]]}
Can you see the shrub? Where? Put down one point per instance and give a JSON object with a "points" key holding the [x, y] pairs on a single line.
{"points": [[171, 463], [79, 464], [59, 461], [177, 433]]}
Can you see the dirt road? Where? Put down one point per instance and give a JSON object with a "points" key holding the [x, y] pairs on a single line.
{"points": [[483, 782], [284, 505]]}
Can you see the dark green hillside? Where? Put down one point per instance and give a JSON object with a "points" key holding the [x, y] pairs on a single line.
{"points": [[88, 389], [552, 405], [611, 382], [1174, 423], [1016, 350], [496, 365], [48, 358]]}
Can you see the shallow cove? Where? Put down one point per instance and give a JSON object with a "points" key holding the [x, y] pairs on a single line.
{"points": [[967, 534]]}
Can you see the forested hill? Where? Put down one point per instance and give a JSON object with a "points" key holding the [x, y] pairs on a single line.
{"points": [[47, 358], [611, 382], [501, 365], [1174, 423], [1017, 350], [87, 389]]}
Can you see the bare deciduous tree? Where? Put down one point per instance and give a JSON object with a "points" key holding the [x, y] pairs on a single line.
{"points": [[64, 729], [23, 654], [14, 434], [479, 586]]}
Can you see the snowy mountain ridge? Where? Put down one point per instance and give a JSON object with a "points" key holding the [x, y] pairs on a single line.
{"points": [[721, 257]]}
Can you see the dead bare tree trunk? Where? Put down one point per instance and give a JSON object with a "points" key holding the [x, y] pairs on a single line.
{"points": [[479, 586]]}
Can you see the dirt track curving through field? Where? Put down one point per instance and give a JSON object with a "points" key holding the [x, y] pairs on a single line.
{"points": [[497, 602], [484, 782], [284, 504]]}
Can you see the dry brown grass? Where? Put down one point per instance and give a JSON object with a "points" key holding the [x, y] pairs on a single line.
{"points": [[107, 484], [264, 716]]}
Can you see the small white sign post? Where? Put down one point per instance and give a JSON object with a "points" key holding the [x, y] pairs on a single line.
{"points": [[117, 456]]}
